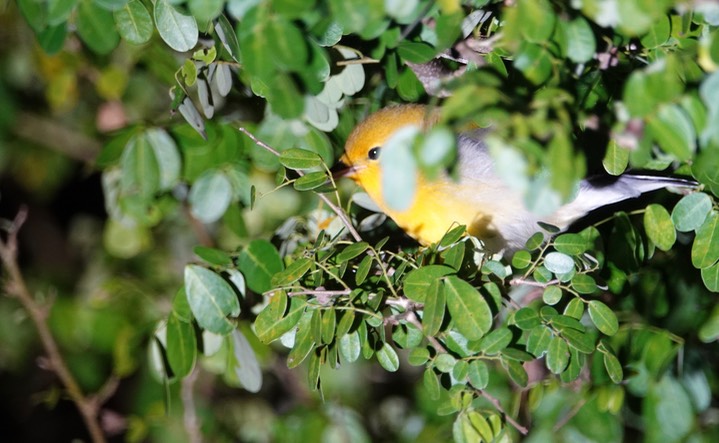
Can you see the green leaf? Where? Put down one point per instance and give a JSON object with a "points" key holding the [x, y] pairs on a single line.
{"points": [[272, 322], [399, 169], [575, 308], [211, 299], [434, 305], [431, 383], [310, 181], [603, 318], [445, 363], [668, 412], [584, 284], [706, 167], [140, 169], [552, 295], [534, 61], [470, 311], [418, 356], [352, 251], [179, 31], [363, 270], [417, 282], [691, 211], [228, 37], [709, 330], [658, 34], [284, 97], [613, 367], [571, 244], [557, 355], [526, 319], [96, 27], [329, 324], [558, 263], [616, 159], [521, 259], [350, 346], [478, 373], [710, 277], [295, 271], [259, 261], [52, 38], [387, 358], [538, 340], [58, 11], [580, 341], [244, 363], [300, 159], [516, 372], [134, 23], [535, 241], [673, 131], [180, 306], [659, 226], [213, 256], [304, 341], [181, 346], [210, 196], [286, 43], [705, 249], [416, 52], [581, 44], [495, 341], [167, 155], [538, 20]]}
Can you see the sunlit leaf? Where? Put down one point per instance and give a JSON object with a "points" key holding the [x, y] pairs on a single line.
{"points": [[179, 31], [211, 299]]}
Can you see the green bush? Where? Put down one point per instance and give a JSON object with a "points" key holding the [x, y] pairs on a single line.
{"points": [[602, 334]]}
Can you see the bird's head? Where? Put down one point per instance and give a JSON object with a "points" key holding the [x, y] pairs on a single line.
{"points": [[364, 145]]}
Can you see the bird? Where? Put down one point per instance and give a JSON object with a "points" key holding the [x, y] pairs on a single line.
{"points": [[476, 196]]}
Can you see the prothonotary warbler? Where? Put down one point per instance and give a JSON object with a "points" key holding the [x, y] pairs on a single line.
{"points": [[477, 198]]}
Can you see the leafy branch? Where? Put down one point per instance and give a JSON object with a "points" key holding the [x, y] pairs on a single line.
{"points": [[89, 406]]}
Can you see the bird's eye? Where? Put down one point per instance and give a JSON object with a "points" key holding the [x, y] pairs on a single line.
{"points": [[373, 153]]}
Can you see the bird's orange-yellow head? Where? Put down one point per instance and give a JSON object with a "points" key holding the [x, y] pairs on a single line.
{"points": [[364, 145]]}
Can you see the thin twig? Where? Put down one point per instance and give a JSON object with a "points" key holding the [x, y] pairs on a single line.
{"points": [[336, 209], [189, 416], [575, 410], [412, 319], [320, 292], [200, 230], [15, 286], [525, 282], [495, 402]]}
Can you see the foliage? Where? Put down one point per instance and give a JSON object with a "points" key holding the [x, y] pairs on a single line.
{"points": [[596, 334]]}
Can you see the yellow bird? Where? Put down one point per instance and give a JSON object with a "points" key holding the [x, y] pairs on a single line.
{"points": [[478, 199]]}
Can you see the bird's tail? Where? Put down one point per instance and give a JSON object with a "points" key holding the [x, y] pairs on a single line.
{"points": [[595, 193]]}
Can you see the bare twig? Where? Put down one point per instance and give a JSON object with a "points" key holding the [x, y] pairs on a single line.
{"points": [[203, 236], [495, 402], [525, 282], [16, 287], [320, 292], [412, 318], [560, 424], [189, 417], [336, 209]]}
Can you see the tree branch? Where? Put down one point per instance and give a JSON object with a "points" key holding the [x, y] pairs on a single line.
{"points": [[16, 287], [336, 209], [495, 402]]}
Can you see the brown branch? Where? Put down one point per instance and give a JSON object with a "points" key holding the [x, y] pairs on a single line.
{"points": [[54, 135], [16, 287], [189, 417], [495, 402], [336, 209], [412, 318], [200, 230]]}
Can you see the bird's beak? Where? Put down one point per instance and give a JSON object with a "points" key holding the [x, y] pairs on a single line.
{"points": [[341, 169]]}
